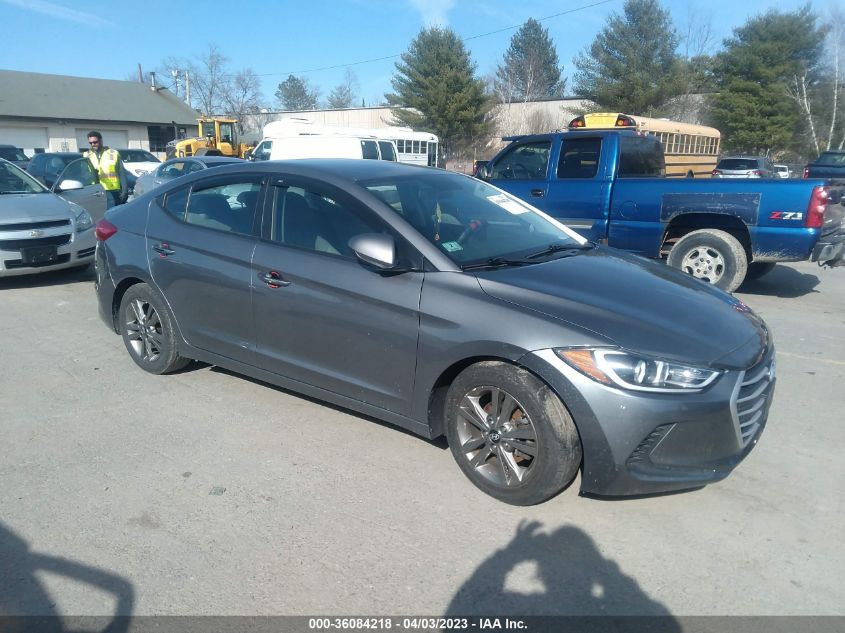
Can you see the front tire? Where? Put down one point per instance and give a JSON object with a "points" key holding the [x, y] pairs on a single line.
{"points": [[711, 255], [510, 433], [148, 331]]}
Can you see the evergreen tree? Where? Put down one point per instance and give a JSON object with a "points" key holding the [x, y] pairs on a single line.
{"points": [[438, 91], [631, 66], [529, 70], [754, 73], [294, 93]]}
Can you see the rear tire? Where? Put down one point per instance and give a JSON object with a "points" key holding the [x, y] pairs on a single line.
{"points": [[148, 332], [510, 433], [711, 255]]}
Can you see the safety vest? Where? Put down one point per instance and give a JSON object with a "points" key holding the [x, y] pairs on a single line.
{"points": [[106, 166]]}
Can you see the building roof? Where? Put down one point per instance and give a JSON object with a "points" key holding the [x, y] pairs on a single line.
{"points": [[36, 95]]}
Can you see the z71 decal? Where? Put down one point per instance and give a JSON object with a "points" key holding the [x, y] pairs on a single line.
{"points": [[786, 215]]}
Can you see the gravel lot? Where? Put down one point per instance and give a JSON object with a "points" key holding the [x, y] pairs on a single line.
{"points": [[208, 493]]}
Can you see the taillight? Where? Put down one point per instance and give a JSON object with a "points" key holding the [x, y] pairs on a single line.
{"points": [[716, 172], [815, 212], [104, 230], [578, 122], [757, 172], [806, 172], [625, 121]]}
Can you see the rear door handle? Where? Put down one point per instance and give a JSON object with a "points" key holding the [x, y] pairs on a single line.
{"points": [[99, 194], [537, 193], [273, 279], [163, 249]]}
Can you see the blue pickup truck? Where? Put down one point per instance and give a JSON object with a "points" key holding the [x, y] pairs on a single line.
{"points": [[608, 186]]}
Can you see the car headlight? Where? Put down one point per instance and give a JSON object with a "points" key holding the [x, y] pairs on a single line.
{"points": [[639, 373], [84, 221]]}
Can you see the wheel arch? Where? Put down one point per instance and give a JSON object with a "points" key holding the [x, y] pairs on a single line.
{"points": [[686, 223], [117, 298]]}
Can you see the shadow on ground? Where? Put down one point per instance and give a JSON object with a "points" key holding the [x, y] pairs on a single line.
{"points": [[561, 573], [46, 279], [25, 604], [782, 281]]}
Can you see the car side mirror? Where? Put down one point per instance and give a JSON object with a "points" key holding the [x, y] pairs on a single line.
{"points": [[376, 249], [68, 185]]}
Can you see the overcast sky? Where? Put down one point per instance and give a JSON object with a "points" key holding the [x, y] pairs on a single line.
{"points": [[314, 39]]}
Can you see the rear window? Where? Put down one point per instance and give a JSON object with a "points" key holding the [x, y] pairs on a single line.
{"points": [[834, 159], [12, 153], [738, 164], [640, 157]]}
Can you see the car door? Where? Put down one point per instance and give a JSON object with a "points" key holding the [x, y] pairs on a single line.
{"points": [[200, 242], [579, 191], [523, 171], [322, 317], [89, 195]]}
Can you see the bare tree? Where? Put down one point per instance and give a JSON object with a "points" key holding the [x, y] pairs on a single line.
{"points": [[242, 95], [696, 43], [208, 79], [343, 95]]}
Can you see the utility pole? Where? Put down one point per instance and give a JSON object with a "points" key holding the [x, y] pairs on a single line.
{"points": [[175, 73], [187, 88]]}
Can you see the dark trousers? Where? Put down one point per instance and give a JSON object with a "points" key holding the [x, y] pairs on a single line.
{"points": [[112, 198]]}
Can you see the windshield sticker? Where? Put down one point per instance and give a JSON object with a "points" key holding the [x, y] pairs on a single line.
{"points": [[508, 204], [452, 247]]}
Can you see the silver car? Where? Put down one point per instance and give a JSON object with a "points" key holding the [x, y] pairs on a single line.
{"points": [[176, 167], [744, 167], [41, 231]]}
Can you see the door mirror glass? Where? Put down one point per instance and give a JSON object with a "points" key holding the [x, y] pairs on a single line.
{"points": [[376, 249], [68, 184]]}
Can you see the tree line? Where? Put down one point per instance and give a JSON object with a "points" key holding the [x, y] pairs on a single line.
{"points": [[774, 87]]}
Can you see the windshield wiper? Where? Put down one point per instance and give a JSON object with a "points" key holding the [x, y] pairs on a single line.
{"points": [[571, 249], [497, 262]]}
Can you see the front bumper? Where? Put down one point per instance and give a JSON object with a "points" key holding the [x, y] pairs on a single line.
{"points": [[643, 443], [72, 250], [830, 250]]}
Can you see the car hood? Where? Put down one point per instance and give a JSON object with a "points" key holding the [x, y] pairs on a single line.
{"points": [[32, 207], [137, 167], [638, 305]]}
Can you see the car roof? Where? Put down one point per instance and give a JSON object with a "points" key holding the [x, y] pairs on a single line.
{"points": [[208, 160], [61, 154], [744, 157]]}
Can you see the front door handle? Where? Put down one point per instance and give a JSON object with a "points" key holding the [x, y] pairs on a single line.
{"points": [[273, 279], [163, 249], [537, 193], [99, 194]]}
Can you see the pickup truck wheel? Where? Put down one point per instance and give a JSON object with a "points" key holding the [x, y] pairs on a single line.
{"points": [[712, 256], [510, 433]]}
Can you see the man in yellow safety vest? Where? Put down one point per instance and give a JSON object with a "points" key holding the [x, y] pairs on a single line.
{"points": [[106, 162]]}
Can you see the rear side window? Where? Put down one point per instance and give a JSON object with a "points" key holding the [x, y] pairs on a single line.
{"points": [[527, 161], [579, 158], [387, 152], [640, 157], [175, 203], [369, 150], [832, 159]]}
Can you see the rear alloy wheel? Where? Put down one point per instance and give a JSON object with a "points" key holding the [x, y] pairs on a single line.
{"points": [[711, 255], [510, 434], [148, 332]]}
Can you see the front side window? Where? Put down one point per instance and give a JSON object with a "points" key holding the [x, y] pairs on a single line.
{"points": [[81, 171], [527, 161], [228, 207], [314, 221], [171, 170], [579, 158], [227, 133], [468, 220]]}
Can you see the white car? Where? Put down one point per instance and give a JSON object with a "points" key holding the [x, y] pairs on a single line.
{"points": [[138, 161], [41, 231], [782, 171]]}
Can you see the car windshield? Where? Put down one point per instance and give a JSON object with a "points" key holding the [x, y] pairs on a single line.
{"points": [[12, 153], [14, 180], [137, 156], [470, 221], [834, 159]]}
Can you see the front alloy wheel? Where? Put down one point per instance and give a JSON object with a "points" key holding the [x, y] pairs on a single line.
{"points": [[496, 436], [510, 434]]}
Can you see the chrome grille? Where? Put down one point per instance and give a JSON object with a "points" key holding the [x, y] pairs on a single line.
{"points": [[748, 404], [24, 226]]}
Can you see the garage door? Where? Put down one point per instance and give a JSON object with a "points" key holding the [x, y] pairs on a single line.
{"points": [[27, 138], [118, 139]]}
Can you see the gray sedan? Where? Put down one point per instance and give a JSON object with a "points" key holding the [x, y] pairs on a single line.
{"points": [[177, 167], [445, 306], [41, 231]]}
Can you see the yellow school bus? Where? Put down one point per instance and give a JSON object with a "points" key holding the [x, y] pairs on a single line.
{"points": [[691, 150]]}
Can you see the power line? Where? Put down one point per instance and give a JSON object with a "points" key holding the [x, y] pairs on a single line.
{"points": [[465, 39]]}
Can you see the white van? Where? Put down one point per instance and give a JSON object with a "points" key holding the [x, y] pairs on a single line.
{"points": [[324, 146]]}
